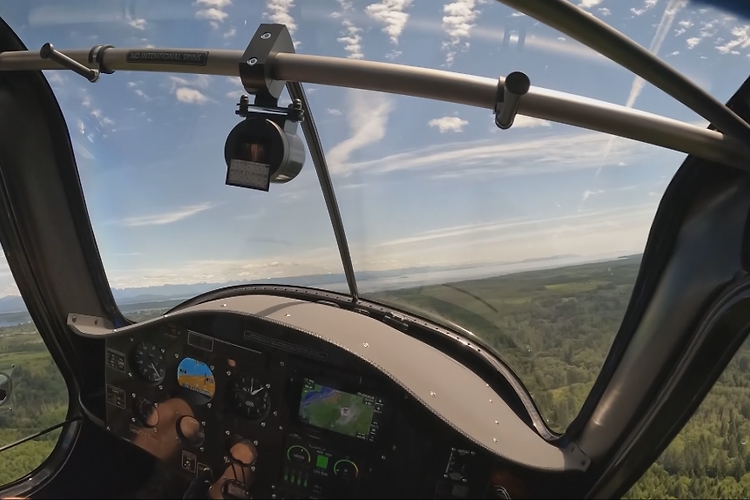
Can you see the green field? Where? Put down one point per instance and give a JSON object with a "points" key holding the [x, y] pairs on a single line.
{"points": [[336, 411], [553, 327]]}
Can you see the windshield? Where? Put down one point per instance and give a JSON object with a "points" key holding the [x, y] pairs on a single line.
{"points": [[530, 238]]}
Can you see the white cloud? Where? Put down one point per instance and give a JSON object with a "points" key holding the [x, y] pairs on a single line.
{"points": [[392, 14], [191, 96], [661, 33], [587, 4], [334, 112], [740, 40], [692, 42], [166, 217], [528, 156], [352, 40], [448, 124], [367, 115], [458, 20], [523, 121], [278, 12], [212, 14], [139, 24], [230, 33], [216, 4], [604, 11]]}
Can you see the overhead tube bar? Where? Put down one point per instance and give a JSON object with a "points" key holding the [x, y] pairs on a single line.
{"points": [[425, 83], [314, 145], [587, 29]]}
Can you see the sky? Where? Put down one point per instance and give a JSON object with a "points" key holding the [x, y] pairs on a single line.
{"points": [[418, 182]]}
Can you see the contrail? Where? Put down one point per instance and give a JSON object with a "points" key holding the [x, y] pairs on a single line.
{"points": [[638, 83]]}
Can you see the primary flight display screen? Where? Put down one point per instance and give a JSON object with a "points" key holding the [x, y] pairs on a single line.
{"points": [[354, 415]]}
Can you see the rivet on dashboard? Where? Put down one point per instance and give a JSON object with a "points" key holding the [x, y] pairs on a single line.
{"points": [[255, 442], [393, 447], [494, 439], [365, 344], [132, 394], [176, 355], [288, 315], [382, 457], [262, 424], [163, 350], [252, 469], [497, 423], [156, 405], [445, 476], [212, 367], [203, 423], [490, 401], [132, 339], [208, 405], [223, 305], [281, 364], [74, 319], [226, 432], [161, 387], [132, 419], [202, 449], [281, 427], [273, 486], [268, 386], [273, 495], [130, 375], [108, 428], [433, 394], [228, 373], [463, 480], [275, 413]]}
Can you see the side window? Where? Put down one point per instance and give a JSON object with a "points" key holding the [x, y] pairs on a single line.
{"points": [[709, 457], [33, 394]]}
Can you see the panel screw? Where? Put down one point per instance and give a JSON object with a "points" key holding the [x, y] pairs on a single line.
{"points": [[228, 373], [255, 442], [265, 36], [252, 61], [262, 424], [433, 394], [226, 432], [208, 405], [176, 355], [281, 364]]}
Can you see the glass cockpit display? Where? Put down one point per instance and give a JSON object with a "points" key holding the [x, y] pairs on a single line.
{"points": [[196, 376], [354, 415]]}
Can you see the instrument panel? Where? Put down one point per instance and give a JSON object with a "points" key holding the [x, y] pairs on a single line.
{"points": [[255, 408]]}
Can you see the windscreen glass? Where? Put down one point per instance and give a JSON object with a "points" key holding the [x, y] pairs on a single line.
{"points": [[530, 238]]}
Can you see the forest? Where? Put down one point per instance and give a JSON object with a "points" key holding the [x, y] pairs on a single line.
{"points": [[553, 327]]}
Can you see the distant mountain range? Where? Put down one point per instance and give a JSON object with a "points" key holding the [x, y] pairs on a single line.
{"points": [[132, 298]]}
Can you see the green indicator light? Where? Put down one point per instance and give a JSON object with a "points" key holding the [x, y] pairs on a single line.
{"points": [[305, 485], [322, 462]]}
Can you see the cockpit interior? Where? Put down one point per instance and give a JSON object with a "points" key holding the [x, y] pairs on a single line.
{"points": [[566, 350]]}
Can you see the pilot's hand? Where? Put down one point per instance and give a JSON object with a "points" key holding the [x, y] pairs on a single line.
{"points": [[162, 440], [239, 472]]}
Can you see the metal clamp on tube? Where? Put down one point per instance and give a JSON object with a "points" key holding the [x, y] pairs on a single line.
{"points": [[49, 52], [255, 66], [516, 85]]}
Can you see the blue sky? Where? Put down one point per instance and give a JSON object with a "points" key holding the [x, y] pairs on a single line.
{"points": [[419, 182]]}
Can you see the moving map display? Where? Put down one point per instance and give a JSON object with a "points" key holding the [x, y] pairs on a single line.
{"points": [[343, 412], [196, 376]]}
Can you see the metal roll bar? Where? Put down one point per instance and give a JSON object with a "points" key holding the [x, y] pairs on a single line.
{"points": [[414, 81]]}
